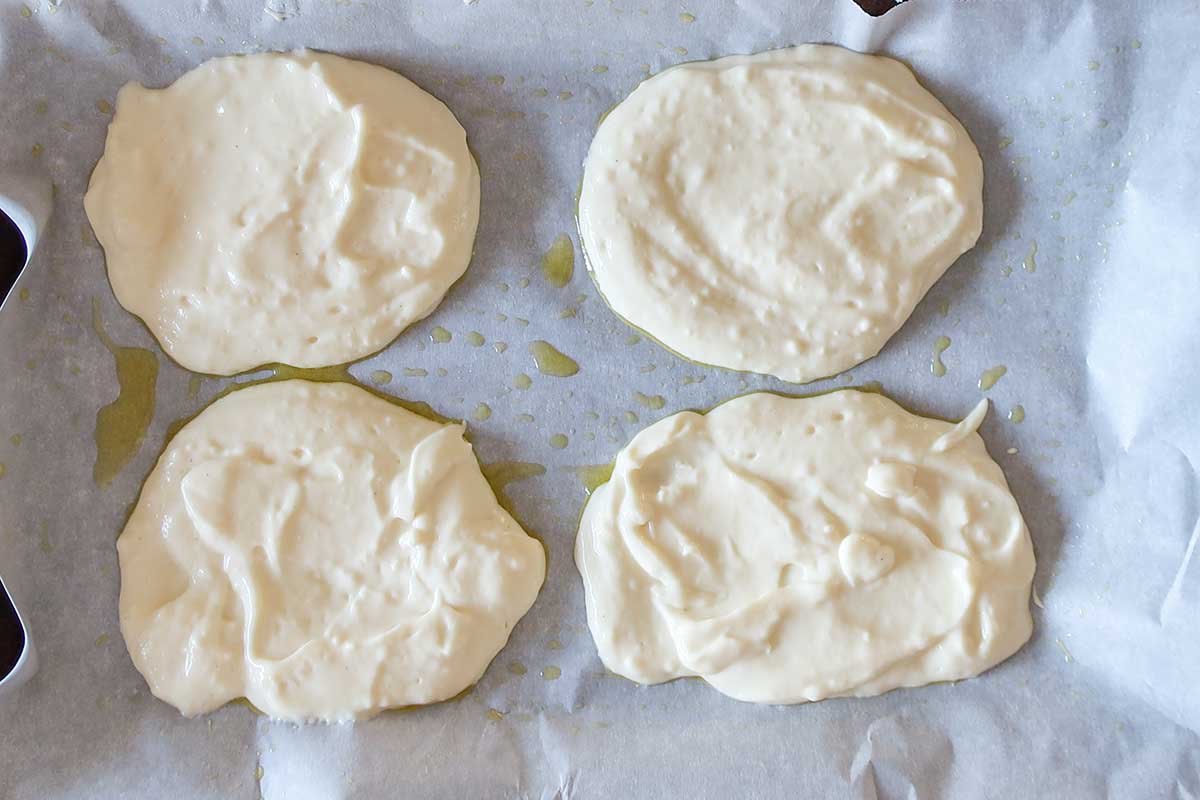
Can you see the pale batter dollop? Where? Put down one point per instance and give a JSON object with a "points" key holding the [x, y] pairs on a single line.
{"points": [[298, 207], [788, 550], [321, 552], [780, 213]]}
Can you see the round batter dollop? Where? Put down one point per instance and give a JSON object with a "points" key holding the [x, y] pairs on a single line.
{"points": [[789, 550], [299, 208], [780, 213], [321, 552]]}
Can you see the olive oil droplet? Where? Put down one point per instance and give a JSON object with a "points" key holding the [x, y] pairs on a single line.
{"points": [[1030, 262], [551, 361], [989, 377], [558, 263], [653, 402], [936, 366]]}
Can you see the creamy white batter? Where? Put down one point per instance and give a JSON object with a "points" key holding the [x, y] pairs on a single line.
{"points": [[781, 213], [788, 550], [322, 553], [298, 207]]}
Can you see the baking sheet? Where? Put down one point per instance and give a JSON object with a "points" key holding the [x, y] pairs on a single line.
{"points": [[1085, 114]]}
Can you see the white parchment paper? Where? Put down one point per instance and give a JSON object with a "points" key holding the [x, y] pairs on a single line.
{"points": [[1086, 115]]}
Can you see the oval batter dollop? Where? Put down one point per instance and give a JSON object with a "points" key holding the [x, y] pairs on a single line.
{"points": [[780, 213], [788, 550], [299, 208], [321, 552]]}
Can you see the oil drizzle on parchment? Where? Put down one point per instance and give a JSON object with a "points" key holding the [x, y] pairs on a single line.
{"points": [[558, 263], [653, 402], [340, 373], [122, 424], [501, 473], [551, 361], [594, 476], [936, 366], [1030, 262], [989, 377]]}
